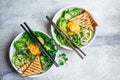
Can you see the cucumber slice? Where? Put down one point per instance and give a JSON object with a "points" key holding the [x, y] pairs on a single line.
{"points": [[75, 13], [72, 13], [65, 11], [67, 16], [78, 11]]}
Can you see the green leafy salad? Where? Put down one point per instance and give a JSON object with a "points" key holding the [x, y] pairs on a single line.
{"points": [[22, 54], [78, 34]]}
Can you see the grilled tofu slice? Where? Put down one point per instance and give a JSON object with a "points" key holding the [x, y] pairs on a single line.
{"points": [[85, 20], [24, 67], [34, 68]]}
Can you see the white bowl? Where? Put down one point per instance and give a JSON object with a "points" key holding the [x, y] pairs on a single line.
{"points": [[56, 17], [12, 52]]}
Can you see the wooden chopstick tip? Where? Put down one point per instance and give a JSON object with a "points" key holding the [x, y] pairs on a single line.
{"points": [[25, 23]]}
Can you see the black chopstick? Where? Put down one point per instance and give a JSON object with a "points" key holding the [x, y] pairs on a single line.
{"points": [[72, 45], [35, 40]]}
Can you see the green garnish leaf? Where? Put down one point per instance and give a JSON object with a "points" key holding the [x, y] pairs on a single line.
{"points": [[62, 59], [61, 63]]}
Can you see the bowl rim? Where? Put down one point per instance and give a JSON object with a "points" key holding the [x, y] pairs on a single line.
{"points": [[11, 54], [55, 18]]}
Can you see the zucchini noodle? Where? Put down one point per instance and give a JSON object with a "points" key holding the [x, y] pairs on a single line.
{"points": [[87, 35], [81, 39], [19, 60]]}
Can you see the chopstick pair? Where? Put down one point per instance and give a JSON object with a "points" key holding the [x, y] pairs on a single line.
{"points": [[72, 45], [36, 41]]}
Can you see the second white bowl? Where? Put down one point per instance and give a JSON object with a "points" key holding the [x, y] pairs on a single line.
{"points": [[56, 17]]}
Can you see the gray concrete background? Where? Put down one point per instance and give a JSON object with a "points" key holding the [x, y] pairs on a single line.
{"points": [[103, 55]]}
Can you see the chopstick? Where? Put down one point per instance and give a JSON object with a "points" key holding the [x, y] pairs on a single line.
{"points": [[72, 45], [35, 40]]}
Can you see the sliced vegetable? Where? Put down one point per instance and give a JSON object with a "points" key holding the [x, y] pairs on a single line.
{"points": [[67, 16]]}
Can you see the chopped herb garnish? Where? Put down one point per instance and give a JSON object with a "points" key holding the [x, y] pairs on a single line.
{"points": [[62, 59]]}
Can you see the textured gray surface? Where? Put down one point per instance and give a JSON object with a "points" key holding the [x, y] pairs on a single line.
{"points": [[103, 55]]}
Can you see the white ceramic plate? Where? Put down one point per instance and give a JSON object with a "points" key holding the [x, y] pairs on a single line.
{"points": [[56, 17], [12, 52]]}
